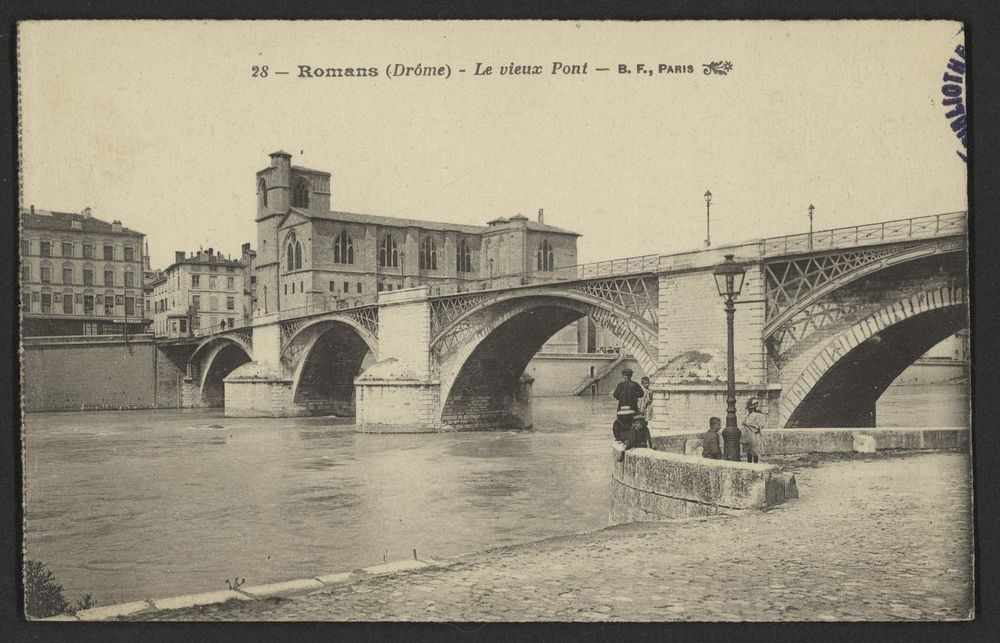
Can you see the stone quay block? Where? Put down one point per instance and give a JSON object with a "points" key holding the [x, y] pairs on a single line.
{"points": [[650, 485]]}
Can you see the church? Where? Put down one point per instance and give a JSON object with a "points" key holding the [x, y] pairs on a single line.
{"points": [[309, 255]]}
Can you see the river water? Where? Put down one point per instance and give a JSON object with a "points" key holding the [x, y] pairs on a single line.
{"points": [[147, 504]]}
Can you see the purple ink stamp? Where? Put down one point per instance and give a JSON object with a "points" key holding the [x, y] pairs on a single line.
{"points": [[953, 90]]}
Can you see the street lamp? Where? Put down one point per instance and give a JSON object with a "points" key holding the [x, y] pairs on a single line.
{"points": [[708, 218], [811, 208], [729, 280], [491, 271]]}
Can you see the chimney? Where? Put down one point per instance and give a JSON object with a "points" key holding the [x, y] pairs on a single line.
{"points": [[541, 216], [32, 208], [178, 256], [246, 247], [86, 212], [116, 226]]}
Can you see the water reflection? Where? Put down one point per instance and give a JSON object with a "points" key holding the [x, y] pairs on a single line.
{"points": [[140, 504]]}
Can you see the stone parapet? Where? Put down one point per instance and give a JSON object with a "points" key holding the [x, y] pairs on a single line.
{"points": [[650, 485], [801, 441], [796, 441]]}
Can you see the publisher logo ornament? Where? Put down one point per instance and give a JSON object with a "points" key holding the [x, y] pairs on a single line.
{"points": [[721, 67]]}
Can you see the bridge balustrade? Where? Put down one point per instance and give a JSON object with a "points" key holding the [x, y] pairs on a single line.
{"points": [[935, 225], [594, 270]]}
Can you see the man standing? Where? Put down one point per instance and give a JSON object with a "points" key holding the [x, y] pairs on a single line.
{"points": [[628, 393]]}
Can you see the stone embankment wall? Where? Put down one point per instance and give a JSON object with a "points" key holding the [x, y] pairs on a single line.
{"points": [[672, 480], [558, 374], [91, 373]]}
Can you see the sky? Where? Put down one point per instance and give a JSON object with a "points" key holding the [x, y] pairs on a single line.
{"points": [[162, 125]]}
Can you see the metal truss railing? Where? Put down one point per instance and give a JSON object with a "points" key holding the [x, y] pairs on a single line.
{"points": [[327, 304], [935, 225], [609, 268]]}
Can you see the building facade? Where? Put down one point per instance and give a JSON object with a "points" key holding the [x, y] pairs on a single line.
{"points": [[248, 261], [149, 277], [80, 275], [198, 293], [309, 255]]}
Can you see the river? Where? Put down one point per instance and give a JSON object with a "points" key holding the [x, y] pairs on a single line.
{"points": [[147, 504]]}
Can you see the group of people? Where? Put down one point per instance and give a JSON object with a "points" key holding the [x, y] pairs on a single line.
{"points": [[635, 410], [750, 435]]}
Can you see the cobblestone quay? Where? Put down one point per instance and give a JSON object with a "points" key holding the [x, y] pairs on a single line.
{"points": [[882, 537]]}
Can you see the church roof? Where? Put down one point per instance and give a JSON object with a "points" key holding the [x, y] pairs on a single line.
{"points": [[310, 170], [399, 222]]}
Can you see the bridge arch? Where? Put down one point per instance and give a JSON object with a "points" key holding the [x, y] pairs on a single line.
{"points": [[324, 356], [842, 383], [215, 359], [482, 351]]}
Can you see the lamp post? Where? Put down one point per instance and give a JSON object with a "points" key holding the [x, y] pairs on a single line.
{"points": [[491, 271], [708, 218], [729, 280], [811, 208]]}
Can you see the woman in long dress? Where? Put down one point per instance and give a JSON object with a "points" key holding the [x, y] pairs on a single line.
{"points": [[752, 426]]}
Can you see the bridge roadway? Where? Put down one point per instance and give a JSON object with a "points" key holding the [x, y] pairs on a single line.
{"points": [[825, 322]]}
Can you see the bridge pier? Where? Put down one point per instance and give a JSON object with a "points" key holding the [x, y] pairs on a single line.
{"points": [[261, 388], [690, 385], [689, 406], [399, 393], [191, 393], [257, 389]]}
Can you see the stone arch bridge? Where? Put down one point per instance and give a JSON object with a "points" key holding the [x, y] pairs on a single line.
{"points": [[825, 322]]}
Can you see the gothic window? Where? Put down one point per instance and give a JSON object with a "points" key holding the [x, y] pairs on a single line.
{"points": [[262, 189], [343, 248], [463, 257], [300, 197], [545, 256], [388, 253], [298, 256], [290, 254], [428, 254]]}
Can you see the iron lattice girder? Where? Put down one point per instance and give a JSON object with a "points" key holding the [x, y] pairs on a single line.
{"points": [[637, 295], [794, 282], [289, 329], [794, 286], [444, 311], [788, 282], [811, 319], [623, 305], [291, 350], [367, 318], [246, 336]]}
